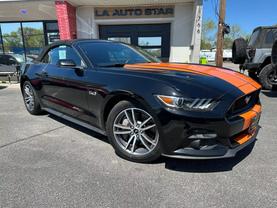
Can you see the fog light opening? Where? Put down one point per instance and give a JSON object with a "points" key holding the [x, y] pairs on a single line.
{"points": [[202, 134]]}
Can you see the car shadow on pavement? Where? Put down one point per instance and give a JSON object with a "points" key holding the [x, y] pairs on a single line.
{"points": [[182, 165], [204, 166], [80, 128], [271, 94], [3, 87]]}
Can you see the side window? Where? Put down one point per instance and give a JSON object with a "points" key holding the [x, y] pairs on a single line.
{"points": [[269, 37], [61, 53]]}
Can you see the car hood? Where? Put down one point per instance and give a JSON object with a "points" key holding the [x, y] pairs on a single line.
{"points": [[206, 76]]}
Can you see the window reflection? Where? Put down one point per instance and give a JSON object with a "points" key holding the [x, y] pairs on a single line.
{"points": [[150, 41], [25, 40], [1, 46], [12, 38], [33, 38], [157, 52], [121, 39]]}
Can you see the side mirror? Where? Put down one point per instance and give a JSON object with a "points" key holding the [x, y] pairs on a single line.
{"points": [[66, 63]]}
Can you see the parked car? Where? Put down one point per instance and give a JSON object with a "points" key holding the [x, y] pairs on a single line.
{"points": [[255, 56], [145, 107], [211, 54], [8, 63]]}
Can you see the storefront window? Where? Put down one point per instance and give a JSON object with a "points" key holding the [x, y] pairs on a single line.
{"points": [[150, 41], [121, 39], [157, 52], [52, 32], [12, 38], [152, 45], [1, 46], [25, 40], [33, 38]]}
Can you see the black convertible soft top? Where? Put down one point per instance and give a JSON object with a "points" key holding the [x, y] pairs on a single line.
{"points": [[65, 42]]}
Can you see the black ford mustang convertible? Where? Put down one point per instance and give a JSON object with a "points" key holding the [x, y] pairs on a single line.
{"points": [[145, 107]]}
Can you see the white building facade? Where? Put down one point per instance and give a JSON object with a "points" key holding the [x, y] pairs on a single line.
{"points": [[169, 29]]}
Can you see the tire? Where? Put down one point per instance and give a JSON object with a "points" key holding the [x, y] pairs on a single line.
{"points": [[31, 99], [239, 54], [274, 54], [118, 123], [266, 76]]}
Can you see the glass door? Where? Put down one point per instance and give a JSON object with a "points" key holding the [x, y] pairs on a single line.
{"points": [[154, 39]]}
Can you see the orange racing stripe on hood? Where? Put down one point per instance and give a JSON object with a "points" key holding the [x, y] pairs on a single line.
{"points": [[244, 83]]}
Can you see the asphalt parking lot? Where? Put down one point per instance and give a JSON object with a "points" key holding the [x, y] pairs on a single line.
{"points": [[48, 162]]}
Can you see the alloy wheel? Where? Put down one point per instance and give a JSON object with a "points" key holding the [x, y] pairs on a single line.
{"points": [[135, 131], [29, 97]]}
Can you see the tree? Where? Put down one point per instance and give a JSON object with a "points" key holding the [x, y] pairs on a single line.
{"points": [[208, 40], [205, 45], [33, 38], [208, 34], [228, 43], [235, 32]]}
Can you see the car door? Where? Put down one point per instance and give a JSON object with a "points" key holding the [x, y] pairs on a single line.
{"points": [[64, 88]]}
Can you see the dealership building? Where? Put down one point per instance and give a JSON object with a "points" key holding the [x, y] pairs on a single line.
{"points": [[169, 29]]}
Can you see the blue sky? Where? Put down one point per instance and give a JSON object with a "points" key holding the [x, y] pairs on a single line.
{"points": [[247, 13]]}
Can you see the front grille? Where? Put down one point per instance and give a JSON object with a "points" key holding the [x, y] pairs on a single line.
{"points": [[244, 104]]}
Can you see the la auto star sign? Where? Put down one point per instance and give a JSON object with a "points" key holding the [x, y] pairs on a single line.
{"points": [[134, 12]]}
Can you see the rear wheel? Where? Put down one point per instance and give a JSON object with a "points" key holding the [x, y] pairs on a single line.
{"points": [[30, 99], [268, 77], [133, 132]]}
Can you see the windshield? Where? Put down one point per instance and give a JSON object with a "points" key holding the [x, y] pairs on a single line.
{"points": [[113, 54], [254, 38]]}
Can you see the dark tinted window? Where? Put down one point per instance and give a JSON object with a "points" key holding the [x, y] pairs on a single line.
{"points": [[254, 38], [7, 60], [108, 53], [62, 53], [270, 36]]}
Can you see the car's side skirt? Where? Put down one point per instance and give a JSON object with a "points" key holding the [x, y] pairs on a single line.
{"points": [[74, 120]]}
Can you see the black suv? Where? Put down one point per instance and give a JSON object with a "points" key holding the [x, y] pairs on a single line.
{"points": [[255, 56]]}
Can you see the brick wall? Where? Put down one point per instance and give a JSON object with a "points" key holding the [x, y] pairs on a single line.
{"points": [[66, 15]]}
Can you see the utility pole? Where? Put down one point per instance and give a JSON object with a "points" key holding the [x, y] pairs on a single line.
{"points": [[220, 34]]}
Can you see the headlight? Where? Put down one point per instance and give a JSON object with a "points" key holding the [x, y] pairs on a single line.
{"points": [[201, 104]]}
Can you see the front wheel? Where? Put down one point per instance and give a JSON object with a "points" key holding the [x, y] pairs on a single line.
{"points": [[268, 77], [31, 99], [133, 133]]}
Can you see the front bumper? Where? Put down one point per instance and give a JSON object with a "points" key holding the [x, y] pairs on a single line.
{"points": [[232, 136], [215, 152]]}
